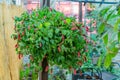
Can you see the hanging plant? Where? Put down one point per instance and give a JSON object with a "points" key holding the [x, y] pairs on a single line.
{"points": [[47, 33]]}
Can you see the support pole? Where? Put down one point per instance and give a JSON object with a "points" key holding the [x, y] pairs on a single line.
{"points": [[99, 2], [80, 11], [44, 3]]}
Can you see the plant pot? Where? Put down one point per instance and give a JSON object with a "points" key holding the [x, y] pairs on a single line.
{"points": [[85, 76], [77, 76]]}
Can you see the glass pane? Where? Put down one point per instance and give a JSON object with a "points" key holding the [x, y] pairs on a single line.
{"points": [[112, 0], [0, 1]]}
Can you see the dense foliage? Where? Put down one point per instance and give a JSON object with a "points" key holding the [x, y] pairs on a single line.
{"points": [[107, 38], [48, 33]]}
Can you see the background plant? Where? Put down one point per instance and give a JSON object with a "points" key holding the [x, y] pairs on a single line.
{"points": [[107, 37]]}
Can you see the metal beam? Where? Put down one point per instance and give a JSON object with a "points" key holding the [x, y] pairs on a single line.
{"points": [[44, 3], [99, 2], [80, 12]]}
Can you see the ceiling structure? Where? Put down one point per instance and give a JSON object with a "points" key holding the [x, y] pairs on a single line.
{"points": [[97, 1]]}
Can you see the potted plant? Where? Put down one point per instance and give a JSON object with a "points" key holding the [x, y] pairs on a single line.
{"points": [[49, 37]]}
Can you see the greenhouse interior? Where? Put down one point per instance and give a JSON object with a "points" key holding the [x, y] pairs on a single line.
{"points": [[59, 39]]}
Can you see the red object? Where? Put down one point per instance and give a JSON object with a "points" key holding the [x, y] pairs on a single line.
{"points": [[74, 71], [50, 9], [16, 46], [20, 56], [63, 37], [28, 65], [28, 27], [86, 41], [87, 29], [23, 33], [19, 37], [46, 69], [59, 49], [74, 28], [83, 26], [64, 21], [78, 54], [13, 18], [40, 44], [80, 63]]}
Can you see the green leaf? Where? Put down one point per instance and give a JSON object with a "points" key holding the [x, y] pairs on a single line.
{"points": [[93, 36], [68, 21], [50, 35], [57, 31], [115, 50], [109, 15], [40, 26], [116, 25], [47, 24], [100, 61], [64, 32], [21, 44], [108, 60], [119, 36], [104, 11], [101, 28], [105, 39], [62, 58]]}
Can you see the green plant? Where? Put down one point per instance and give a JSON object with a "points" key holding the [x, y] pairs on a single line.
{"points": [[47, 33], [108, 33]]}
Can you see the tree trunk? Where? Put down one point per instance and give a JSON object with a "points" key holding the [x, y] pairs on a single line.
{"points": [[44, 75]]}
